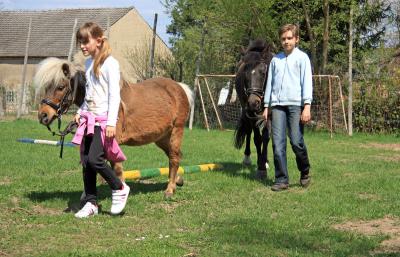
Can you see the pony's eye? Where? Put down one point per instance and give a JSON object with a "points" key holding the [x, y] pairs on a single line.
{"points": [[253, 71], [60, 87]]}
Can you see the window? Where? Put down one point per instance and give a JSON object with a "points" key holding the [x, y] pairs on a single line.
{"points": [[11, 96]]}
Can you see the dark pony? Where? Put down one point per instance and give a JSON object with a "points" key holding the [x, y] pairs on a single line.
{"points": [[251, 75], [153, 111]]}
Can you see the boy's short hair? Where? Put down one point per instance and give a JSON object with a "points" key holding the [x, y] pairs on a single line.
{"points": [[289, 27]]}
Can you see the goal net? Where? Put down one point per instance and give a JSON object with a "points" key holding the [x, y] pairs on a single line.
{"points": [[218, 107]]}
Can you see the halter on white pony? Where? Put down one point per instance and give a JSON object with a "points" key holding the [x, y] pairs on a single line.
{"points": [[49, 75]]}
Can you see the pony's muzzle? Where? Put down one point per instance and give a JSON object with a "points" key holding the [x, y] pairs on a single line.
{"points": [[43, 118], [254, 103]]}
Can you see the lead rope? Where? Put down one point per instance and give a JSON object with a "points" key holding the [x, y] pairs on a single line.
{"points": [[69, 129], [71, 126]]}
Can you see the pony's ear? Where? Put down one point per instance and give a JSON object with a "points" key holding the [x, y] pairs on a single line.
{"points": [[66, 70]]}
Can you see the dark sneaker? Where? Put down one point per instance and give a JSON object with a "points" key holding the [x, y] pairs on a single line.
{"points": [[279, 187], [305, 180]]}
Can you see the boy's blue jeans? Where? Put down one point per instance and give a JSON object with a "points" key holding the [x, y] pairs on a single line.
{"points": [[288, 117]]}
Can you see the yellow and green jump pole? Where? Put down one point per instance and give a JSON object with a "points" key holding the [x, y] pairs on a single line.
{"points": [[149, 173]]}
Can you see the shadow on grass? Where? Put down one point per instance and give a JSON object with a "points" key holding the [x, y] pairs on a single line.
{"points": [[258, 234], [103, 192], [248, 172]]}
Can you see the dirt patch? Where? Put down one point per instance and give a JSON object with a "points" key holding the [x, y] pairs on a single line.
{"points": [[37, 209], [367, 196], [170, 207], [386, 226], [389, 158], [5, 181], [392, 147]]}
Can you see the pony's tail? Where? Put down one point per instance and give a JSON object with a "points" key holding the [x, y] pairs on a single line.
{"points": [[242, 129], [189, 93]]}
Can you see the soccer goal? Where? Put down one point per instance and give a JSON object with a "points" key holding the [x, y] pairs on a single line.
{"points": [[218, 106], [217, 98]]}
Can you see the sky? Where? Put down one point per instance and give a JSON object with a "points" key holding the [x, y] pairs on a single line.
{"points": [[146, 8]]}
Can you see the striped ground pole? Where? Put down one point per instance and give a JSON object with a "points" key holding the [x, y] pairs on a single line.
{"points": [[149, 173], [42, 141]]}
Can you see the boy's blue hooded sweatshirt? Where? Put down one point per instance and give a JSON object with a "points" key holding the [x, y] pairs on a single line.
{"points": [[289, 80]]}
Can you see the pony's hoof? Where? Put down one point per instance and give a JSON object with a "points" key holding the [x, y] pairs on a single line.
{"points": [[246, 160], [261, 174], [168, 195], [179, 181]]}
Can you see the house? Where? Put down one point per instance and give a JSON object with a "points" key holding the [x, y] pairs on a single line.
{"points": [[52, 32]]}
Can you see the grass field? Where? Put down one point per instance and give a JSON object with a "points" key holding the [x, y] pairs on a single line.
{"points": [[221, 213]]}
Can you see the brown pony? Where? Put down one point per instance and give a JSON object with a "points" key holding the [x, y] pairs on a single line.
{"points": [[155, 110]]}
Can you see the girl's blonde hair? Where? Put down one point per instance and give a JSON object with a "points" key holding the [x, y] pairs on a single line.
{"points": [[91, 29], [289, 27]]}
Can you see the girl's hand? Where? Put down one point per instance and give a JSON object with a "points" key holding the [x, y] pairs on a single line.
{"points": [[110, 132], [306, 114], [77, 118]]}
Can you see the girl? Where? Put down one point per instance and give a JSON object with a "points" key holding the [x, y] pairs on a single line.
{"points": [[97, 118]]}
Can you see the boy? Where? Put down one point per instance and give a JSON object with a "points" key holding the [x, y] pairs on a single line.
{"points": [[289, 93]]}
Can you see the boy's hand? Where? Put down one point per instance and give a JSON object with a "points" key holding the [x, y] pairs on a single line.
{"points": [[265, 113], [110, 132], [306, 114], [77, 118]]}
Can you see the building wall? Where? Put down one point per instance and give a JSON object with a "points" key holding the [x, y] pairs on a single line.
{"points": [[11, 72], [132, 32]]}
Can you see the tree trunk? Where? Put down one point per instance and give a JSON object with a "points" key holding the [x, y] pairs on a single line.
{"points": [[350, 107], [310, 36], [398, 22], [325, 42]]}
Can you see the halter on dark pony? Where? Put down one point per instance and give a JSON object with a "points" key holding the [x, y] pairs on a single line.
{"points": [[250, 80]]}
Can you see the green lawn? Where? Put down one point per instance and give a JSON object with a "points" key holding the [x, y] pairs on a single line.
{"points": [[221, 213]]}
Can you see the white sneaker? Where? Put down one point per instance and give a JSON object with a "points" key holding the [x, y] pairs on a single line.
{"points": [[119, 198], [88, 210]]}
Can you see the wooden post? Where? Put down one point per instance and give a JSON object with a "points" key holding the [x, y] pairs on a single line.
{"points": [[342, 101], [21, 100], [330, 106], [108, 27], [213, 104], [71, 46], [153, 46], [202, 104], [350, 107]]}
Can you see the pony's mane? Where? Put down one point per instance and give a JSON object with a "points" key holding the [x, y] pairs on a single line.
{"points": [[257, 45], [255, 54], [252, 57], [50, 74]]}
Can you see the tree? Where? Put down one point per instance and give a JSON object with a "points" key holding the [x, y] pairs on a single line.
{"points": [[233, 23], [138, 58], [325, 37]]}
